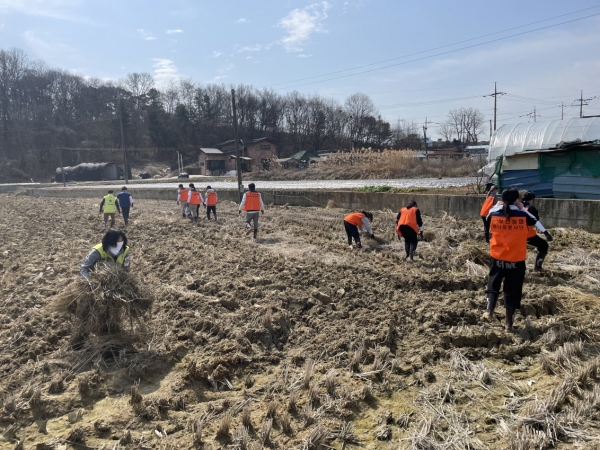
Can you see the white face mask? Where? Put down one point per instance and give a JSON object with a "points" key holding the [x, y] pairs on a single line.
{"points": [[117, 249]]}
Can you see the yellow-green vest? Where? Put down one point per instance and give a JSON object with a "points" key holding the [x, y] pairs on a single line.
{"points": [[109, 204], [120, 259]]}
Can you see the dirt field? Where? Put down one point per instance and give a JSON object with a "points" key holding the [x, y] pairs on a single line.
{"points": [[293, 341]]}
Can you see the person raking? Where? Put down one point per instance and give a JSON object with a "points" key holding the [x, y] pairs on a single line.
{"points": [[194, 201]]}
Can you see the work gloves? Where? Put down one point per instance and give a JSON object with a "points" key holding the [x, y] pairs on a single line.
{"points": [[549, 237], [421, 232]]}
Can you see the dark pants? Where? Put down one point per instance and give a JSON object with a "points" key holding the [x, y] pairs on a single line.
{"points": [[410, 239], [212, 208], [125, 210], [542, 248], [513, 275], [112, 218], [352, 232]]}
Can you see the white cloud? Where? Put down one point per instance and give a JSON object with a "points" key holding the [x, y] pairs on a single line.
{"points": [[45, 47], [305, 56], [241, 20], [146, 35], [165, 71], [249, 48], [216, 54], [174, 31], [300, 24], [219, 77], [56, 9]]}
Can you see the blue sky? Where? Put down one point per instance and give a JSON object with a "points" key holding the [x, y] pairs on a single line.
{"points": [[276, 42]]}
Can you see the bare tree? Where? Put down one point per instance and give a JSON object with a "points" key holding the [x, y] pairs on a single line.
{"points": [[358, 107], [465, 123]]}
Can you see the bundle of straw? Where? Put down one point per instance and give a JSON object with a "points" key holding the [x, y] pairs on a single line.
{"points": [[102, 304]]}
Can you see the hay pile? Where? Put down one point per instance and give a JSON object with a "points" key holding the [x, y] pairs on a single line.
{"points": [[106, 302]]}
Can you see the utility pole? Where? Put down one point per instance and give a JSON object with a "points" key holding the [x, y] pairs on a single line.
{"points": [[534, 115], [123, 141], [562, 111], [490, 129], [582, 102], [425, 137], [495, 95], [238, 166]]}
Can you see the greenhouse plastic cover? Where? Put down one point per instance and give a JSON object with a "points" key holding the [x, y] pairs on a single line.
{"points": [[511, 139]]}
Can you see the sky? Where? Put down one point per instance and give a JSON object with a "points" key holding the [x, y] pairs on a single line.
{"points": [[416, 59]]}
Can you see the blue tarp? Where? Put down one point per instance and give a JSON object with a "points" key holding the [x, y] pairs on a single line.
{"points": [[527, 180]]}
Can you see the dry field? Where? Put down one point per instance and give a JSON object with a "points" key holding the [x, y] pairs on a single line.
{"points": [[293, 341], [369, 164]]}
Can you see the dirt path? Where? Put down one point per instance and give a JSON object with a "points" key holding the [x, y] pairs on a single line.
{"points": [[339, 347]]}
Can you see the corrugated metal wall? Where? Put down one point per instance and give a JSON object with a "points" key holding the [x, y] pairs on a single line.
{"points": [[571, 185], [528, 180]]}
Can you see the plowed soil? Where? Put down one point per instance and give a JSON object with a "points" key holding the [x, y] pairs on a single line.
{"points": [[294, 340]]}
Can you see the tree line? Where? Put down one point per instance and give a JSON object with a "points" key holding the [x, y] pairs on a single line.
{"points": [[42, 108]]}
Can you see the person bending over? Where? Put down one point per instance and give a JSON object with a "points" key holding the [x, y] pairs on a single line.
{"points": [[409, 224], [354, 221]]}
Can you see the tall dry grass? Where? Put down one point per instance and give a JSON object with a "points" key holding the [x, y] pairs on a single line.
{"points": [[373, 164]]}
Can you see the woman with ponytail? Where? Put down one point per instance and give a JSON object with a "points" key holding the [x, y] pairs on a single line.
{"points": [[507, 222]]}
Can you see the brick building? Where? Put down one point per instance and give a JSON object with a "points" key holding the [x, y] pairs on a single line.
{"points": [[212, 161], [256, 153]]}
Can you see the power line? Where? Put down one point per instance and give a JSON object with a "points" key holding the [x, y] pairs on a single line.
{"points": [[443, 46]]}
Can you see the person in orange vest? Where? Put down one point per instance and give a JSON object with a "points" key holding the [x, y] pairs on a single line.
{"points": [[409, 224], [252, 203], [211, 202], [532, 237], [489, 202], [508, 222], [182, 198], [194, 201], [354, 221]]}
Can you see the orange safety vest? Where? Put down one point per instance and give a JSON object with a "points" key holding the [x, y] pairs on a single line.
{"points": [[408, 217], [211, 198], [183, 195], [355, 219], [530, 230], [195, 199], [252, 201], [509, 236], [487, 205]]}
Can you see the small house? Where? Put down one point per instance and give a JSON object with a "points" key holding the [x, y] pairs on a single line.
{"points": [[212, 161], [256, 153]]}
